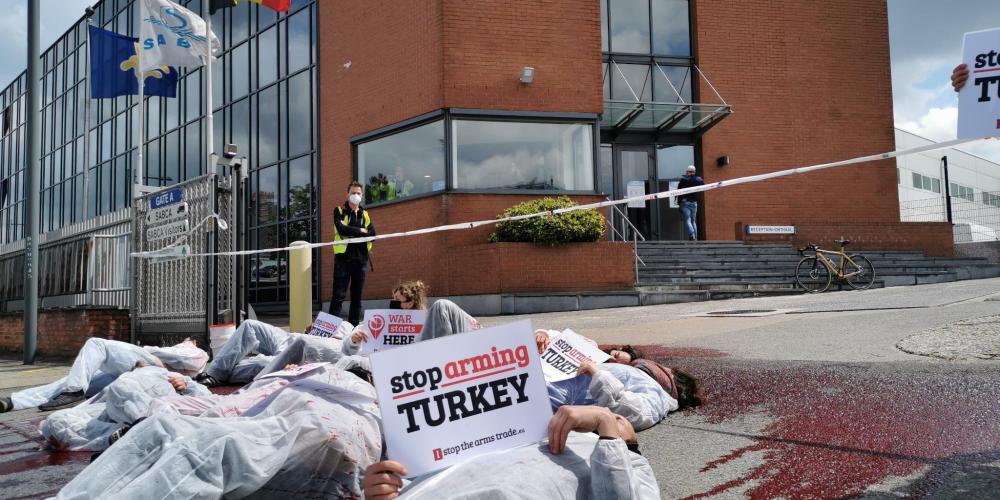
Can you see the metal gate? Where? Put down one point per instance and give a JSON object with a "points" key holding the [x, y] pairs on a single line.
{"points": [[177, 297]]}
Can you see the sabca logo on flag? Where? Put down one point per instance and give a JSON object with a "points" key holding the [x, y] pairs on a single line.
{"points": [[173, 36]]}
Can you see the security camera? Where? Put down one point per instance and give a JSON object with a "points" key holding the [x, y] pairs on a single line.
{"points": [[230, 152], [89, 11]]}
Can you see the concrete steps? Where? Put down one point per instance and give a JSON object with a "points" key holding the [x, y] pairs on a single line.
{"points": [[734, 267]]}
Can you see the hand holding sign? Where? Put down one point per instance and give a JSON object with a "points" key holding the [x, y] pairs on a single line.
{"points": [[979, 97], [565, 355]]}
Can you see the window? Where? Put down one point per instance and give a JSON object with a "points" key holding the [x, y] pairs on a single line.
{"points": [[965, 192], [404, 164], [926, 183], [518, 155], [991, 199], [8, 120], [655, 27]]}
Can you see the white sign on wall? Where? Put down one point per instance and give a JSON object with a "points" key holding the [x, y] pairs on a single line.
{"points": [[979, 99], [673, 185], [770, 229], [635, 188], [165, 231], [452, 398]]}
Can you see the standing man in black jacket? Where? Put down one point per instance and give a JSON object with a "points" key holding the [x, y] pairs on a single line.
{"points": [[350, 262], [689, 202]]}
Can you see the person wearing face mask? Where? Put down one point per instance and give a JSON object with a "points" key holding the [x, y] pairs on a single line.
{"points": [[350, 263]]}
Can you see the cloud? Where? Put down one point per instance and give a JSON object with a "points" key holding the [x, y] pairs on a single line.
{"points": [[56, 17], [937, 124]]}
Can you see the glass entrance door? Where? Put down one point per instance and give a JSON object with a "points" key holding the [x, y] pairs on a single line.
{"points": [[671, 161], [634, 169]]}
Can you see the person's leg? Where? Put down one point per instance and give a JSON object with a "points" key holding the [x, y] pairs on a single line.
{"points": [[445, 318], [359, 272], [341, 280], [251, 336], [694, 220], [686, 214], [34, 396]]}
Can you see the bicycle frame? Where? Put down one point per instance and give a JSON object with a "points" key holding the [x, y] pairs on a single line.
{"points": [[836, 270]]}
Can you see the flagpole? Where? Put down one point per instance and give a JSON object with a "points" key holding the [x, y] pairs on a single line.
{"points": [[139, 167], [209, 121], [86, 123]]}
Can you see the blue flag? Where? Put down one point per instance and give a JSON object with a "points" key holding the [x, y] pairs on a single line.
{"points": [[114, 66]]}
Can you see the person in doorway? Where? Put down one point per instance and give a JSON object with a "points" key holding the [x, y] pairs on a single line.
{"points": [[689, 202], [350, 263]]}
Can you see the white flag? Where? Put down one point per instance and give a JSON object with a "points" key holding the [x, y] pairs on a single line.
{"points": [[171, 35]]}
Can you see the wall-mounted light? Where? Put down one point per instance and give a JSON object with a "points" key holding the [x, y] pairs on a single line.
{"points": [[527, 75], [722, 161]]}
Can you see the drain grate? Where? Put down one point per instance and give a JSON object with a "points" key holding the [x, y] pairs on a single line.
{"points": [[734, 312]]}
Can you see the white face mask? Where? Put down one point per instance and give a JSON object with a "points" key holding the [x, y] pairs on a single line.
{"points": [[355, 198]]}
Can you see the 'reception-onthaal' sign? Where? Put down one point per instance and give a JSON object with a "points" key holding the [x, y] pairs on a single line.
{"points": [[449, 399]]}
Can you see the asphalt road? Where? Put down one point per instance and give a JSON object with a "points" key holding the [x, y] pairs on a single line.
{"points": [[812, 401]]}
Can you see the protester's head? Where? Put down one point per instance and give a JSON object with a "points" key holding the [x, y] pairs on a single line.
{"points": [[355, 192], [625, 354], [690, 170], [410, 295], [681, 385]]}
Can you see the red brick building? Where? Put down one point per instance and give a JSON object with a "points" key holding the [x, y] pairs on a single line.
{"points": [[805, 83]]}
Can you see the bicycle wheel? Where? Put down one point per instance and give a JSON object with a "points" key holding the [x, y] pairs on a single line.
{"points": [[812, 275], [865, 277]]}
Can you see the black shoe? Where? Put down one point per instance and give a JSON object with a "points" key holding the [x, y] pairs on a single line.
{"points": [[115, 436], [691, 238], [6, 405], [64, 400], [206, 380], [95, 455]]}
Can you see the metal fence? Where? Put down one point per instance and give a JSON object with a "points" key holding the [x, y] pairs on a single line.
{"points": [[976, 218], [89, 267]]}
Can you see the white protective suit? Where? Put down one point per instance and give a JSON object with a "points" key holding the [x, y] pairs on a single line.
{"points": [[127, 399], [101, 356], [624, 390], [253, 337], [589, 468], [313, 438], [306, 349]]}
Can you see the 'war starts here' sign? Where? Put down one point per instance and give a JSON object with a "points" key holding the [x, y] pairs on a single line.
{"points": [[389, 328], [453, 398]]}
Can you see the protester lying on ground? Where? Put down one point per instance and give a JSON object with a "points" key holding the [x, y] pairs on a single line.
{"points": [[644, 392], [443, 318], [306, 349], [252, 337], [90, 426], [110, 358], [624, 354], [591, 453], [312, 438]]}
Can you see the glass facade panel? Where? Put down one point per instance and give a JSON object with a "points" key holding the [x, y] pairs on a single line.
{"points": [[629, 21], [518, 155], [404, 164], [671, 28]]}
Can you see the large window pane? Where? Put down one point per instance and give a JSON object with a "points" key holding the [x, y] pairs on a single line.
{"points": [[300, 189], [512, 155], [404, 164], [299, 41], [672, 161], [267, 126], [267, 56], [678, 80], [267, 196], [637, 82], [300, 113], [630, 26], [671, 28]]}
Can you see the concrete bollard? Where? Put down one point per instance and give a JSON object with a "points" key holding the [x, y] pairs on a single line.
{"points": [[299, 287]]}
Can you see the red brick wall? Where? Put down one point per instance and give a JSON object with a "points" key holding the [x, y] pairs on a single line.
{"points": [[931, 238], [462, 262], [488, 42], [410, 58], [809, 83], [63, 332]]}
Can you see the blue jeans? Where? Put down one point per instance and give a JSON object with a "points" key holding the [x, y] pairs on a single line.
{"points": [[689, 210]]}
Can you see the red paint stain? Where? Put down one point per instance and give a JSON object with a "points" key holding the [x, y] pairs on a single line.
{"points": [[665, 354], [839, 430], [41, 459]]}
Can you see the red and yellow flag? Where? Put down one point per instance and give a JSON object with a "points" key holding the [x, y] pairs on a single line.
{"points": [[276, 5]]}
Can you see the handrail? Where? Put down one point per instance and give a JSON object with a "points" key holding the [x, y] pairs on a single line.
{"points": [[635, 230], [635, 239]]}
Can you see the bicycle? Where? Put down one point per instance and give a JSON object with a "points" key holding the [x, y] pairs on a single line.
{"points": [[815, 273]]}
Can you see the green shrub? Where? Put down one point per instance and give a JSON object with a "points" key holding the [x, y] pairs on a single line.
{"points": [[571, 227]]}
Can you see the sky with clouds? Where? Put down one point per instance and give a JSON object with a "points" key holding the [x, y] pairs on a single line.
{"points": [[925, 37]]}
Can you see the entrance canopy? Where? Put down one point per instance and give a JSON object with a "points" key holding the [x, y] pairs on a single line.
{"points": [[648, 120]]}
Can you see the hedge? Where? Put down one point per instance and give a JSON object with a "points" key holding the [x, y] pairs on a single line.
{"points": [[572, 227]]}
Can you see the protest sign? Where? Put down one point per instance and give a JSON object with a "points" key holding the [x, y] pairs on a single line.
{"points": [[979, 99], [566, 352], [325, 325], [452, 398], [388, 328]]}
